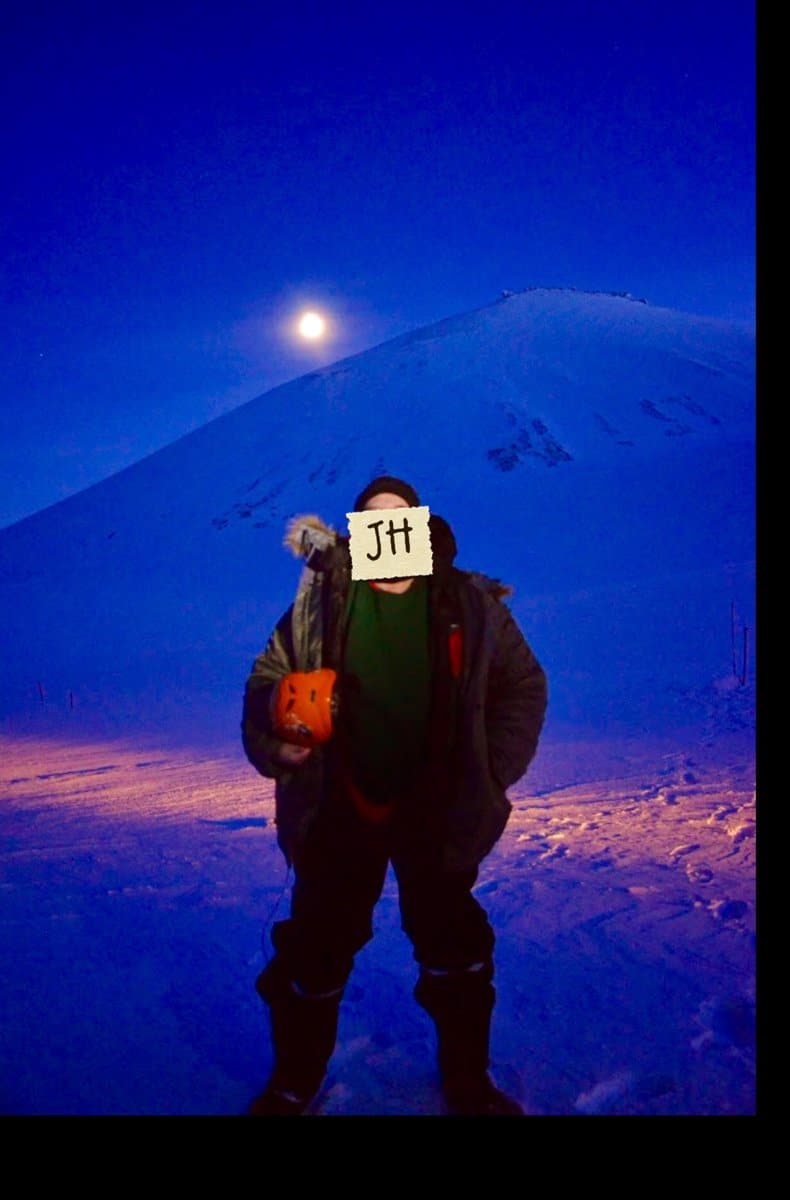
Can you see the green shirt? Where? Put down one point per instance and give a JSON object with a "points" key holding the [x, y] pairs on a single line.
{"points": [[387, 687]]}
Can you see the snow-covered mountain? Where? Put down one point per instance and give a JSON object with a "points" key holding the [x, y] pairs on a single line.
{"points": [[590, 449]]}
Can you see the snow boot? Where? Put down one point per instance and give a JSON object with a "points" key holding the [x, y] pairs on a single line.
{"points": [[461, 1003], [303, 1032]]}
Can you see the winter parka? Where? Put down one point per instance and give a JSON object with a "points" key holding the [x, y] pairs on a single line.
{"points": [[488, 702]]}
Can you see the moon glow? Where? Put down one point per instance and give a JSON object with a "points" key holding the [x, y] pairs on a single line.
{"points": [[312, 325]]}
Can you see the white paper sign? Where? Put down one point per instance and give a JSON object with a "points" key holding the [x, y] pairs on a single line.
{"points": [[390, 543]]}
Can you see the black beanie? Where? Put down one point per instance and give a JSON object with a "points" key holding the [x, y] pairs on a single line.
{"points": [[387, 483]]}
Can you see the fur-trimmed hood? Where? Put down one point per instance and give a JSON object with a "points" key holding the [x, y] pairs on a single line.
{"points": [[306, 533], [308, 537]]}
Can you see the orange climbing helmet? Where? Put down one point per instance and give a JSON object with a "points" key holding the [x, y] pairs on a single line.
{"points": [[303, 705]]}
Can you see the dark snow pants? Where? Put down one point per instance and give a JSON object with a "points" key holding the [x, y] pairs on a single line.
{"points": [[340, 872], [339, 875]]}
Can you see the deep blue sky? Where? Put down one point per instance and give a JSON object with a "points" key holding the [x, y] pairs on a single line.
{"points": [[181, 178]]}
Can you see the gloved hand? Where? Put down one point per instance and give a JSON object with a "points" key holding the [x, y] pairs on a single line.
{"points": [[293, 756]]}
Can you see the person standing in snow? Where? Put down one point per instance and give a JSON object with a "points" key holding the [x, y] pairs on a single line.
{"points": [[440, 706]]}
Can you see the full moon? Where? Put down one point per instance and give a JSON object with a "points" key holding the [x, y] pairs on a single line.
{"points": [[311, 325]]}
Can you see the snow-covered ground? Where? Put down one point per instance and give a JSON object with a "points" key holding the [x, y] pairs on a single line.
{"points": [[139, 879]]}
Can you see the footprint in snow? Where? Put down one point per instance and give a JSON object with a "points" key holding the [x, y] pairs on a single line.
{"points": [[682, 851], [486, 888], [698, 873], [725, 811], [729, 910], [742, 832], [728, 1020]]}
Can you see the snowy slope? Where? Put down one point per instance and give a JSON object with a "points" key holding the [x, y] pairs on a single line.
{"points": [[590, 449]]}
